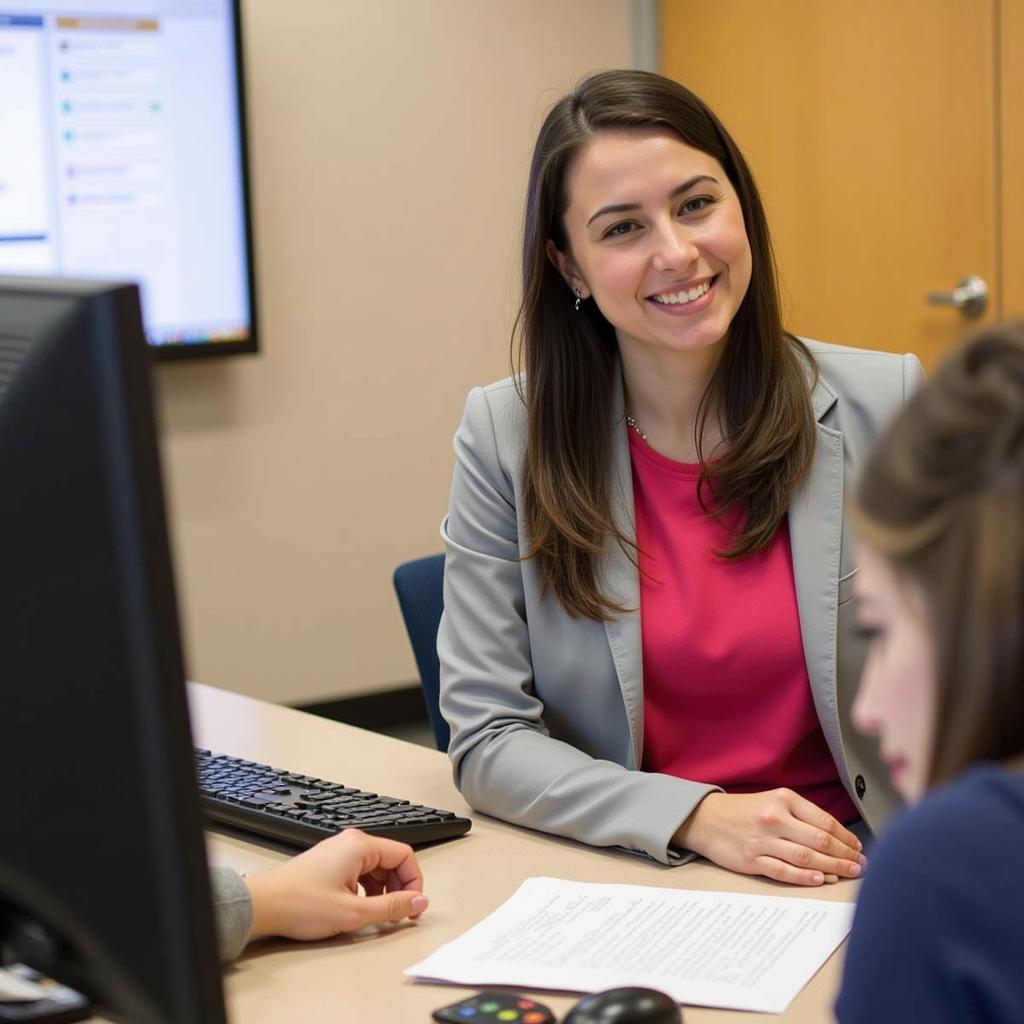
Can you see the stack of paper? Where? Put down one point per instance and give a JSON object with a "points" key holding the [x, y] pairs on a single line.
{"points": [[706, 948]]}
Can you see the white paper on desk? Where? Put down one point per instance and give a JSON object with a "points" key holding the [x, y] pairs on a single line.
{"points": [[706, 948]]}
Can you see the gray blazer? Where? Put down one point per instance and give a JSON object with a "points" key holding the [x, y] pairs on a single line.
{"points": [[546, 711]]}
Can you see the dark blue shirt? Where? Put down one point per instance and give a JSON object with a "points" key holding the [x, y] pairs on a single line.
{"points": [[938, 934]]}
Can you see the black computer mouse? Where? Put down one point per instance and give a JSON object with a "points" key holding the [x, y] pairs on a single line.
{"points": [[626, 1006]]}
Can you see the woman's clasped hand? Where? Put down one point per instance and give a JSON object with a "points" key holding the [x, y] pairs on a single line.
{"points": [[776, 833]]}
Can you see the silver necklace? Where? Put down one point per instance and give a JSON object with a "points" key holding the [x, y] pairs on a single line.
{"points": [[632, 423]]}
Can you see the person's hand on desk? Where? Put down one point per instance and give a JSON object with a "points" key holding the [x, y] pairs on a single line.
{"points": [[316, 894], [777, 833]]}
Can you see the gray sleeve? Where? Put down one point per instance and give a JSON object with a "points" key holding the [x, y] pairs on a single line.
{"points": [[506, 761], [232, 911], [913, 374]]}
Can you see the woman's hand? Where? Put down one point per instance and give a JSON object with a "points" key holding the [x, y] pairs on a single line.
{"points": [[316, 894], [777, 833]]}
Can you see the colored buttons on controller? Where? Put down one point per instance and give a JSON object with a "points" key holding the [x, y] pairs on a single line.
{"points": [[495, 1008]]}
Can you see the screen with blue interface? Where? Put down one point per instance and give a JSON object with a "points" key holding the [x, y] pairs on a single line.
{"points": [[122, 158]]}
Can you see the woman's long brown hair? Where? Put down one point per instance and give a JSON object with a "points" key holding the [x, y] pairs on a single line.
{"points": [[761, 385], [942, 499]]}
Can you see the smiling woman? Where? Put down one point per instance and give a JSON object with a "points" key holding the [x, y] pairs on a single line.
{"points": [[646, 640]]}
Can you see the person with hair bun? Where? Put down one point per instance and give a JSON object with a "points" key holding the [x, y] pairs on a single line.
{"points": [[647, 640], [939, 927]]}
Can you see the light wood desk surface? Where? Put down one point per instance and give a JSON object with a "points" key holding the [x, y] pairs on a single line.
{"points": [[360, 978]]}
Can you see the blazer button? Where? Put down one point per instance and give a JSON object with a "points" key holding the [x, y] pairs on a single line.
{"points": [[860, 786]]}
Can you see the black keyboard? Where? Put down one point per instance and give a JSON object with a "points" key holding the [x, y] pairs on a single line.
{"points": [[302, 810]]}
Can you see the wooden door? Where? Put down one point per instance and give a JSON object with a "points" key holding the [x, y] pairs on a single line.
{"points": [[1011, 149], [871, 129]]}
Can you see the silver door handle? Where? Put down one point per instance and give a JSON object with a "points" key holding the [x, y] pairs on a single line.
{"points": [[970, 296]]}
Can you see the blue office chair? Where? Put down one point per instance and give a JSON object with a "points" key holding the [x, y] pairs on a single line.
{"points": [[419, 585]]}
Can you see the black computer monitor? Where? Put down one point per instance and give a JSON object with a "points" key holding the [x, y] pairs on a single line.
{"points": [[103, 880]]}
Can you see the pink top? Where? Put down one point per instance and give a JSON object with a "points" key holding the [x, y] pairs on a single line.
{"points": [[727, 699]]}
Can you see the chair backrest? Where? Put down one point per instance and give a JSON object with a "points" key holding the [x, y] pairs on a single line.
{"points": [[420, 588]]}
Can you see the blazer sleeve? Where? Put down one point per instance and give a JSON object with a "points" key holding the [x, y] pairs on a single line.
{"points": [[506, 762], [913, 375]]}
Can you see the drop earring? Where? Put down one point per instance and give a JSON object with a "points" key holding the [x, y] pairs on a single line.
{"points": [[576, 291]]}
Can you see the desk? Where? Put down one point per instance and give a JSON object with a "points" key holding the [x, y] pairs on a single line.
{"points": [[360, 978]]}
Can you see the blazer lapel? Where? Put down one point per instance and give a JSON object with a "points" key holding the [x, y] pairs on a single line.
{"points": [[620, 577], [815, 531]]}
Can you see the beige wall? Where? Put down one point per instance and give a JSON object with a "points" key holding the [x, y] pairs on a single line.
{"points": [[389, 146]]}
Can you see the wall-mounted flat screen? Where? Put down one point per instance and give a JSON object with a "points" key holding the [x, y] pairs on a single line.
{"points": [[122, 157]]}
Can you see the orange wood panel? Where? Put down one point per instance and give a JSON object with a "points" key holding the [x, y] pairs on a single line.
{"points": [[870, 127], [1012, 153]]}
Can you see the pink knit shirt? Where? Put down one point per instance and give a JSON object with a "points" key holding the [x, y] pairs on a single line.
{"points": [[727, 698]]}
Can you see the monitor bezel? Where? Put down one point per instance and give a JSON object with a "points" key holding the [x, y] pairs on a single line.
{"points": [[251, 346]]}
